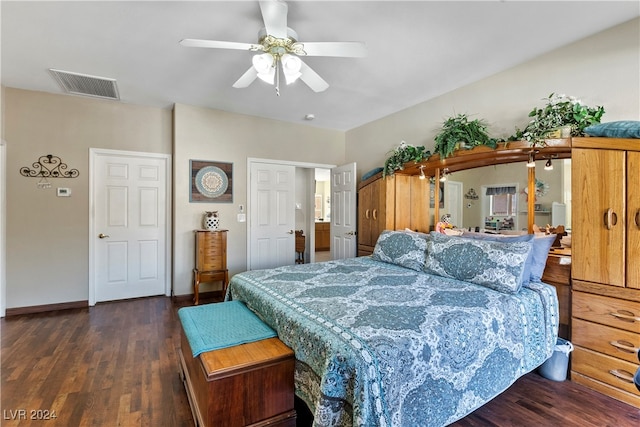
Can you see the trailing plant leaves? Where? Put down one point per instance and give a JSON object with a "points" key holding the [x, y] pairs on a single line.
{"points": [[404, 153], [460, 129], [559, 111]]}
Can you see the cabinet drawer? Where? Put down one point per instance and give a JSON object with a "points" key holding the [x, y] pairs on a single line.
{"points": [[212, 248], [605, 339], [609, 370], [614, 312], [606, 389]]}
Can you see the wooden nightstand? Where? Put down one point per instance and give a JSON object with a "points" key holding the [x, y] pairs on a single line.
{"points": [[211, 260], [558, 273]]}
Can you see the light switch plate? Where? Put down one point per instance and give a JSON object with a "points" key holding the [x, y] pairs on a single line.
{"points": [[64, 192]]}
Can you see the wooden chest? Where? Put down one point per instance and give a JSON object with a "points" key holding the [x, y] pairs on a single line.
{"points": [[245, 385]]}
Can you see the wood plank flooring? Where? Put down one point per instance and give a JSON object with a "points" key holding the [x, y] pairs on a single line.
{"points": [[116, 364]]}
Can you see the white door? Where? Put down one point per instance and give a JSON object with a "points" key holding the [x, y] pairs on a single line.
{"points": [[343, 211], [453, 202], [129, 225], [272, 215]]}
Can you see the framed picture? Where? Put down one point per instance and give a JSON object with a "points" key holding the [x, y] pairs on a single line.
{"points": [[211, 181]]}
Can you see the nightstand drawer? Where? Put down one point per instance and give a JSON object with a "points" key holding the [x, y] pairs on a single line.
{"points": [[557, 269], [605, 339], [614, 312], [610, 370]]}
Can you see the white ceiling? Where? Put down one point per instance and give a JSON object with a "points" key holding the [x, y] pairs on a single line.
{"points": [[417, 50]]}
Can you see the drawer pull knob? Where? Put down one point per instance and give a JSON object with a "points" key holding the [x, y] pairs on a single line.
{"points": [[636, 218], [375, 214], [627, 317], [367, 214], [623, 375], [625, 346]]}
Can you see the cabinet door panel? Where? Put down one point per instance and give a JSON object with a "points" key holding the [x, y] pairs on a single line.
{"points": [[598, 215], [633, 219], [364, 215]]}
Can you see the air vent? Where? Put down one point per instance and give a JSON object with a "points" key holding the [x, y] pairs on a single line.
{"points": [[82, 84]]}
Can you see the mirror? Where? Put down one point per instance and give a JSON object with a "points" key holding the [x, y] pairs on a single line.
{"points": [[322, 212], [504, 209], [507, 153]]}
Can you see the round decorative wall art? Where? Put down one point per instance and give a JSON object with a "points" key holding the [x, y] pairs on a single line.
{"points": [[211, 181]]}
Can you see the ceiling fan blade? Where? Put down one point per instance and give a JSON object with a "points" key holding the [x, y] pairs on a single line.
{"points": [[216, 44], [345, 49], [312, 79], [274, 14], [246, 79]]}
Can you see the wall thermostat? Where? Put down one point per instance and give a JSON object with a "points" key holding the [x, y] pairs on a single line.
{"points": [[64, 192]]}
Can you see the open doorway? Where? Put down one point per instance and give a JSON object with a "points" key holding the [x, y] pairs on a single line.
{"points": [[322, 214]]}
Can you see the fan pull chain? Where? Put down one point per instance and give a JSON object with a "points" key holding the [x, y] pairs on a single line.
{"points": [[277, 78]]}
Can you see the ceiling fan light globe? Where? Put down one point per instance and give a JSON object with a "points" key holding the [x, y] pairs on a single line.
{"points": [[268, 77], [262, 63], [291, 63], [291, 77]]}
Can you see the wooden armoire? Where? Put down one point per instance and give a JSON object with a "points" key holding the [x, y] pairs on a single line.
{"points": [[394, 202], [605, 327]]}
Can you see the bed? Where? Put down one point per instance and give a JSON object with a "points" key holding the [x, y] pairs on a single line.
{"points": [[395, 339]]}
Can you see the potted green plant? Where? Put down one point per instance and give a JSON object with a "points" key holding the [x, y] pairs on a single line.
{"points": [[402, 154], [560, 111], [460, 132]]}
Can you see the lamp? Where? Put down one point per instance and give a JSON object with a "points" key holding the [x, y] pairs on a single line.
{"points": [[422, 175], [548, 166], [532, 160], [291, 65], [445, 172], [265, 65]]}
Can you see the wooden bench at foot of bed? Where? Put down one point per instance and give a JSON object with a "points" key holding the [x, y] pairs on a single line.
{"points": [[245, 385]]}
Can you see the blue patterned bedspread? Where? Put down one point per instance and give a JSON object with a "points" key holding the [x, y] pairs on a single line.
{"points": [[381, 345]]}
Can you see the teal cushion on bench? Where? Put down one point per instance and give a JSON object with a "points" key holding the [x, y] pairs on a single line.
{"points": [[226, 324]]}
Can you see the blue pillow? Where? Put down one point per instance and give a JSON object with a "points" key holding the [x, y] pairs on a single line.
{"points": [[507, 238], [498, 265], [537, 260], [369, 174], [620, 129], [540, 252], [407, 249]]}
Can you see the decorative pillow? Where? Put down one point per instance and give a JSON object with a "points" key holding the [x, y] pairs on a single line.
{"points": [[498, 265], [407, 249], [369, 174], [620, 129], [539, 254], [507, 238]]}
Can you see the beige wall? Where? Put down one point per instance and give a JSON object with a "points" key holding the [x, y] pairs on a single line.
{"points": [[600, 70], [206, 134], [47, 236]]}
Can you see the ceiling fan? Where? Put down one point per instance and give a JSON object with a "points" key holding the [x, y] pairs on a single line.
{"points": [[278, 49]]}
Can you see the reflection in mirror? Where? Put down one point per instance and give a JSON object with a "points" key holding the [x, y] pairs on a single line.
{"points": [[322, 212], [501, 191]]}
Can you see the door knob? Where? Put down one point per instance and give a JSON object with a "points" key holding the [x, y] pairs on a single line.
{"points": [[102, 236], [290, 231]]}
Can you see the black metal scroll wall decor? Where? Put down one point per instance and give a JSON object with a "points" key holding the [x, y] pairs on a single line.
{"points": [[48, 166]]}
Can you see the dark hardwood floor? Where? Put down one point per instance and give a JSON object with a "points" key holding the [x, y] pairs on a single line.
{"points": [[115, 364]]}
